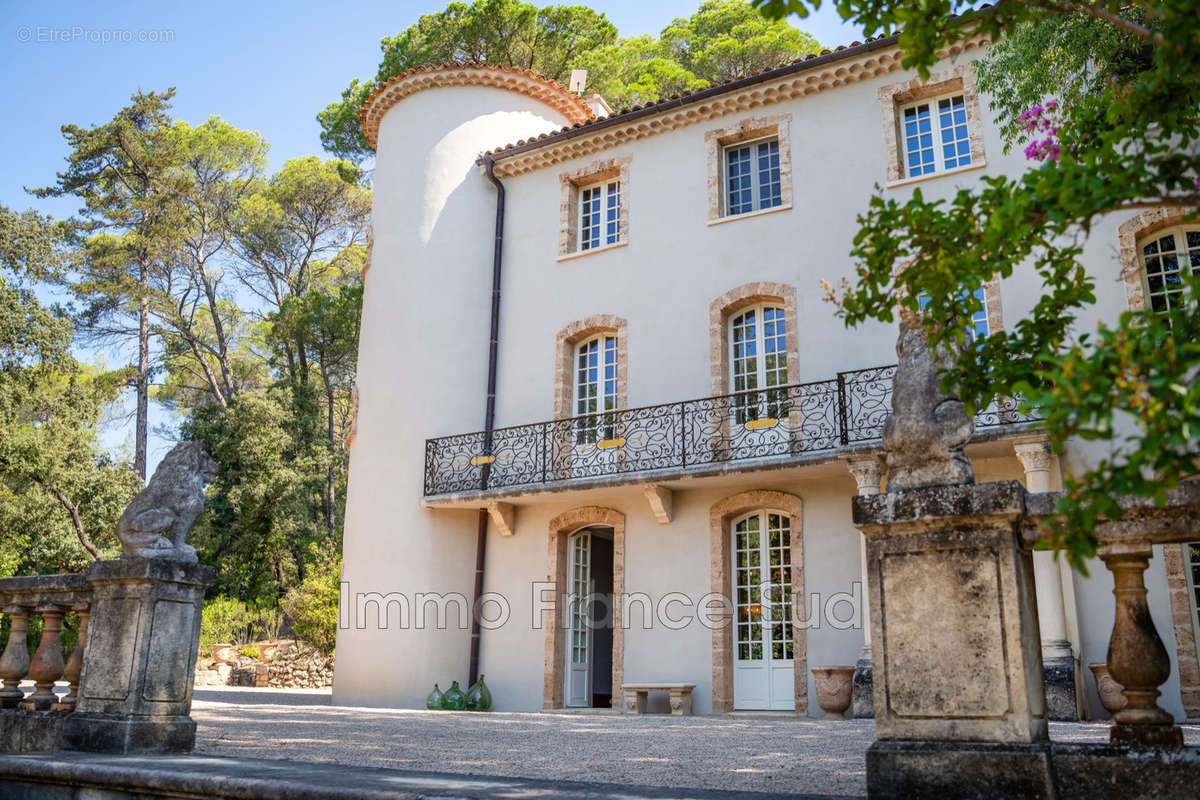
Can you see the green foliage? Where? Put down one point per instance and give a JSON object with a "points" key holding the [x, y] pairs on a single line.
{"points": [[60, 494], [224, 620], [313, 605], [241, 290], [230, 621], [722, 40], [263, 520], [250, 651], [726, 39], [1124, 134]]}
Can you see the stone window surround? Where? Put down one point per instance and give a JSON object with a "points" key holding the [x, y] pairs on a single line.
{"points": [[559, 530], [564, 348], [721, 310], [1129, 233], [960, 78], [991, 299], [721, 516], [1185, 632], [568, 219], [715, 142]]}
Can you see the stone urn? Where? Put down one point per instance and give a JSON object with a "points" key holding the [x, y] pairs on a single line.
{"points": [[834, 686], [1112, 694]]}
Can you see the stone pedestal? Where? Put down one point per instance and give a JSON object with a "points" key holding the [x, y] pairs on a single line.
{"points": [[135, 691], [954, 620], [863, 693], [957, 652], [1059, 679]]}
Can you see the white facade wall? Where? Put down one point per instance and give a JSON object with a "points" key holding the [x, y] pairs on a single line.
{"points": [[422, 372], [422, 367]]}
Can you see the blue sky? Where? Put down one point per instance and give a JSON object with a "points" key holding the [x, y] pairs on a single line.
{"points": [[268, 67]]}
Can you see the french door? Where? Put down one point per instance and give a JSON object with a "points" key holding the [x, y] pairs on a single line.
{"points": [[763, 641], [758, 375], [579, 629]]}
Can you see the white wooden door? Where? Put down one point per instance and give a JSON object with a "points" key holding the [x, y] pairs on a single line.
{"points": [[763, 638], [579, 629]]}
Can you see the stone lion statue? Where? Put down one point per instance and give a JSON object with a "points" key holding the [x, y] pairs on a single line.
{"points": [[157, 522], [926, 432]]}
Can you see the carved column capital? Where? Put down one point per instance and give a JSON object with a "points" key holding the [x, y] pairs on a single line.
{"points": [[867, 472], [1033, 455]]}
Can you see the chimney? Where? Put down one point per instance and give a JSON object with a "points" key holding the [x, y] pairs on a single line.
{"points": [[596, 103]]}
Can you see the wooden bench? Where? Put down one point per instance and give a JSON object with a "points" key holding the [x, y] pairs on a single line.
{"points": [[636, 694]]}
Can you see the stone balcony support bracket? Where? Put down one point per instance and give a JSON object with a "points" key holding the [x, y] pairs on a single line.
{"points": [[503, 516], [662, 502]]}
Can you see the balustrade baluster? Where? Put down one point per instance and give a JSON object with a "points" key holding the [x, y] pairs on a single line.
{"points": [[47, 666], [14, 663], [75, 663], [1137, 658]]}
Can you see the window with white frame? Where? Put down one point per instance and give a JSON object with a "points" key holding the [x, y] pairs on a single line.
{"points": [[758, 363], [599, 215], [596, 389], [1168, 257], [752, 176], [934, 135], [979, 320]]}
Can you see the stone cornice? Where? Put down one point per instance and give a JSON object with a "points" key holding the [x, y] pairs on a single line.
{"points": [[512, 79], [810, 76]]}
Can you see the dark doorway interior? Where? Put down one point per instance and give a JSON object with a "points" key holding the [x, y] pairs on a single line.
{"points": [[602, 618]]}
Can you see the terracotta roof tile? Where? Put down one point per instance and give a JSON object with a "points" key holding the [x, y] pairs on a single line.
{"points": [[395, 89]]}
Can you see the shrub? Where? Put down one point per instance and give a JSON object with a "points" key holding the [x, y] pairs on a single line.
{"points": [[224, 620], [313, 605], [268, 622], [250, 651]]}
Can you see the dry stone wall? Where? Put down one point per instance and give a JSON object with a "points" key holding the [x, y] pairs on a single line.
{"points": [[290, 666]]}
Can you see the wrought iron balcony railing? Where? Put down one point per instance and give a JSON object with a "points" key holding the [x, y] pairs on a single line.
{"points": [[774, 423]]}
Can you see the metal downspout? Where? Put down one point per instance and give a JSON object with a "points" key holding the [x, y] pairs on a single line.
{"points": [[489, 415]]}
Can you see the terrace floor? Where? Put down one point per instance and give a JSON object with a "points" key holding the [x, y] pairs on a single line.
{"points": [[774, 754]]}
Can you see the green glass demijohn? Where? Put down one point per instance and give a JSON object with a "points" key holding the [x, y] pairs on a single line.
{"points": [[435, 700], [454, 699], [478, 696]]}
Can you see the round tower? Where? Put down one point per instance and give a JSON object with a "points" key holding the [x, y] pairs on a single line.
{"points": [[422, 368]]}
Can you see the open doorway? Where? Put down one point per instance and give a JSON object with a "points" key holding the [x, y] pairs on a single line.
{"points": [[589, 628]]}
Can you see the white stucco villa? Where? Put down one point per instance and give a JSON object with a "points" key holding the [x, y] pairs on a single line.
{"points": [[678, 420]]}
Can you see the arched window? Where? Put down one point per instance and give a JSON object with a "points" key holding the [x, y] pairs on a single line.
{"points": [[1167, 258], [758, 361], [596, 396]]}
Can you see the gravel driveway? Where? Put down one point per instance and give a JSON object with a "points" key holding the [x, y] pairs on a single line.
{"points": [[760, 753]]}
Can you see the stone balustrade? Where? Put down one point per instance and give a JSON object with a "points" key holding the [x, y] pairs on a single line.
{"points": [[50, 597], [960, 706], [130, 674], [1136, 658]]}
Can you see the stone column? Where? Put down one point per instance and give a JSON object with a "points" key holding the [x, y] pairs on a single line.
{"points": [[135, 692], [868, 473], [1057, 659]]}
